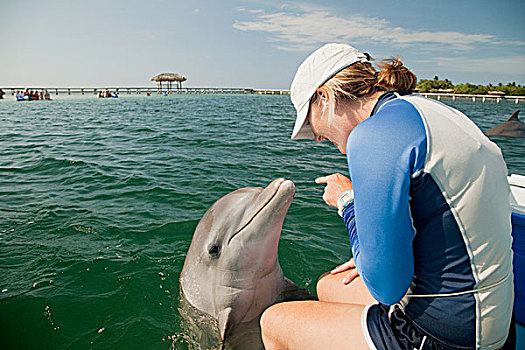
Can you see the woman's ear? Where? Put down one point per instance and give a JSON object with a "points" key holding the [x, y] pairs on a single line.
{"points": [[322, 97]]}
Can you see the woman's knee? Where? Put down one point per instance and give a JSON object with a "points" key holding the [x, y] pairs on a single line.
{"points": [[267, 318], [273, 316], [271, 321], [325, 286], [331, 288]]}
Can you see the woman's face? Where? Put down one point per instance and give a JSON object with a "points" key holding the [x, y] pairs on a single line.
{"points": [[333, 131], [347, 115]]}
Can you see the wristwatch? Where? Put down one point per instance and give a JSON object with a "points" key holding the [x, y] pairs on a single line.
{"points": [[344, 200]]}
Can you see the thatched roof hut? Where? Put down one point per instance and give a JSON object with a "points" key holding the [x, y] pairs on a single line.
{"points": [[169, 78]]}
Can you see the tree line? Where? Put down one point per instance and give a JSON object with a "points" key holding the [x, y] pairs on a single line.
{"points": [[435, 85]]}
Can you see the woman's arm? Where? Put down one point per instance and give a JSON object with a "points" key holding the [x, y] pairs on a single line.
{"points": [[383, 153]]}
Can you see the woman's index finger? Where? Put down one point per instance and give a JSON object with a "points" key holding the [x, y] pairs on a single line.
{"points": [[321, 180]]}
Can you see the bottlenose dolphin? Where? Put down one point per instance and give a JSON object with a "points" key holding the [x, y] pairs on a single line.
{"points": [[232, 271], [513, 127]]}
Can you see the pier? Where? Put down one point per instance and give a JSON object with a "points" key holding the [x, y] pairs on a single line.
{"points": [[474, 98], [244, 91], [152, 90]]}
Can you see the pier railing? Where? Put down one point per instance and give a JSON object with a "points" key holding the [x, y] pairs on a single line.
{"points": [[152, 90], [474, 98]]}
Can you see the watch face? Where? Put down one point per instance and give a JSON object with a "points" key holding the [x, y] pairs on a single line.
{"points": [[345, 198], [348, 196]]}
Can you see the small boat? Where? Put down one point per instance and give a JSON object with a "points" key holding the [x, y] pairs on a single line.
{"points": [[107, 94]]}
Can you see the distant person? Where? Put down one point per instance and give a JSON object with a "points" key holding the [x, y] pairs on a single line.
{"points": [[427, 210], [2, 93], [46, 95], [36, 96]]}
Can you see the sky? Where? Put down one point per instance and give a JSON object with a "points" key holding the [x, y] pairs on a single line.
{"points": [[252, 43]]}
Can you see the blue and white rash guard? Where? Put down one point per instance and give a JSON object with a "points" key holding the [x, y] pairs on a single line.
{"points": [[430, 224]]}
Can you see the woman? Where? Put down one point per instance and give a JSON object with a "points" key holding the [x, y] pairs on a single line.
{"points": [[429, 225]]}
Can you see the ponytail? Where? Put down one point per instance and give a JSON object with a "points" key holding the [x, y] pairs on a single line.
{"points": [[394, 76]]}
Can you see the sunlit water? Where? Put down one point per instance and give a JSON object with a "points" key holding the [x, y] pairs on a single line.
{"points": [[99, 199]]}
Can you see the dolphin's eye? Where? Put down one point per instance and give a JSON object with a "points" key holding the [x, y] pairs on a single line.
{"points": [[214, 250]]}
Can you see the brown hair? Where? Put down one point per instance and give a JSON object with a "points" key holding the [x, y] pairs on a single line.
{"points": [[394, 76], [362, 80]]}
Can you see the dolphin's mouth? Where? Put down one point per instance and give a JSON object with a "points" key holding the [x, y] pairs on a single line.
{"points": [[277, 184]]}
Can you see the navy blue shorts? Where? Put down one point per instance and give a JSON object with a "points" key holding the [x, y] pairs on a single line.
{"points": [[399, 333]]}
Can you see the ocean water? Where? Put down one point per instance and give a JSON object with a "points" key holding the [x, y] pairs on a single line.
{"points": [[99, 199]]}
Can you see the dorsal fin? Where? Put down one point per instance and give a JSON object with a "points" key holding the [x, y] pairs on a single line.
{"points": [[514, 116]]}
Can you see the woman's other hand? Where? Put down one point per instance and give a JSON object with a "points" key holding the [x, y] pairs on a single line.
{"points": [[349, 269], [335, 185]]}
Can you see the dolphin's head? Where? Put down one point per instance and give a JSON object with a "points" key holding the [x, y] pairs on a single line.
{"points": [[234, 248]]}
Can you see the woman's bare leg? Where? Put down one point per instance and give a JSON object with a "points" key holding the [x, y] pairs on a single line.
{"points": [[313, 325], [333, 322], [331, 288]]}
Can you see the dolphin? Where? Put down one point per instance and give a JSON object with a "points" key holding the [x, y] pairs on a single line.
{"points": [[232, 272], [513, 127]]}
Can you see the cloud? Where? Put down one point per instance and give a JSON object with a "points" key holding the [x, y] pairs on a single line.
{"points": [[251, 11], [303, 29]]}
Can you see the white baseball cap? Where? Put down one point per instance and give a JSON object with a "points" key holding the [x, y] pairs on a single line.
{"points": [[316, 70]]}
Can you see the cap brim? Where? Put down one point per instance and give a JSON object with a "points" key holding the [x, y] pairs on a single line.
{"points": [[302, 129]]}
